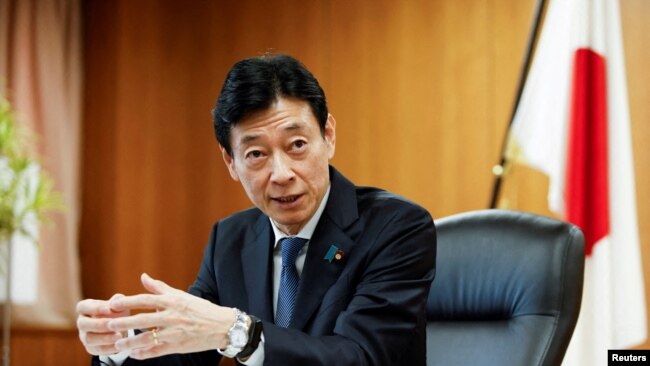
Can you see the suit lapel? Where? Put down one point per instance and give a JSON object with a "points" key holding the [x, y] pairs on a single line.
{"points": [[256, 259], [319, 274]]}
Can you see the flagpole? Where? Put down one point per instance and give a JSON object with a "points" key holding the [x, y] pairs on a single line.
{"points": [[498, 169], [6, 321]]}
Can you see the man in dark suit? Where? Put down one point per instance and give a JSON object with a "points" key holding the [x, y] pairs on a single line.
{"points": [[320, 272]]}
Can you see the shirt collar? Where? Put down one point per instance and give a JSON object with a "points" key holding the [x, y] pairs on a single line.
{"points": [[308, 230]]}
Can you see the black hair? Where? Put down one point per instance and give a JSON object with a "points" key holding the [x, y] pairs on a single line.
{"points": [[253, 84]]}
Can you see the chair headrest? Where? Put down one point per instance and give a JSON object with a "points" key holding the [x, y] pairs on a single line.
{"points": [[498, 264]]}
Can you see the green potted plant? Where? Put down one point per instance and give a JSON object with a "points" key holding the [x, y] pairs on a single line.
{"points": [[25, 191], [25, 194]]}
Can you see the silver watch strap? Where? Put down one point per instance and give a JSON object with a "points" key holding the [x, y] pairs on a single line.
{"points": [[241, 320]]}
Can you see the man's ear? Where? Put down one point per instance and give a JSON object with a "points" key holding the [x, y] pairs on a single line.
{"points": [[230, 163], [330, 135]]}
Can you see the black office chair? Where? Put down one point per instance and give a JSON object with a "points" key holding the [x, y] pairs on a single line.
{"points": [[507, 289]]}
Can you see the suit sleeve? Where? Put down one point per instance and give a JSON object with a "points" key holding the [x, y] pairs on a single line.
{"points": [[386, 313], [205, 285]]}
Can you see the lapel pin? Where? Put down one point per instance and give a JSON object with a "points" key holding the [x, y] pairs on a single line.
{"points": [[333, 253]]}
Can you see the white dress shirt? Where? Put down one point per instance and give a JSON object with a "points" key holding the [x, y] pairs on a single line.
{"points": [[257, 358]]}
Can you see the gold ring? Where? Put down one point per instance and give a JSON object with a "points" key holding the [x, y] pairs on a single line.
{"points": [[154, 333]]}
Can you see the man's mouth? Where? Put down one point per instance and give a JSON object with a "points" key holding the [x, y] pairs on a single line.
{"points": [[287, 199]]}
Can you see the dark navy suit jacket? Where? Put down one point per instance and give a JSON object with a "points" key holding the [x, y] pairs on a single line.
{"points": [[367, 308]]}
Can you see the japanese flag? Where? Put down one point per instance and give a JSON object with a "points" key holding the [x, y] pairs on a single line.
{"points": [[573, 124]]}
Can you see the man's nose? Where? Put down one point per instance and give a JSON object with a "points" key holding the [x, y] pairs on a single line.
{"points": [[281, 169]]}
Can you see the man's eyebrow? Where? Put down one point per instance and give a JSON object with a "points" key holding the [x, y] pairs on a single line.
{"points": [[255, 136], [249, 138], [294, 126]]}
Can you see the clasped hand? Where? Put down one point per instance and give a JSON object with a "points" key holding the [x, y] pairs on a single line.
{"points": [[175, 322]]}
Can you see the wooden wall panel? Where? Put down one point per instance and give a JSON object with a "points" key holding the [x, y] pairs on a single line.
{"points": [[636, 35], [415, 72], [421, 90], [47, 347]]}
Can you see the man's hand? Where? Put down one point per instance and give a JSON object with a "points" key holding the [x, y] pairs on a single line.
{"points": [[182, 322], [92, 322]]}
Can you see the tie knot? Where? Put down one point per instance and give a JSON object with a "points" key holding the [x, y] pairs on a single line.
{"points": [[290, 248]]}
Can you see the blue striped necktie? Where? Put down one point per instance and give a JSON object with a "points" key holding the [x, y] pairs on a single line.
{"points": [[289, 280]]}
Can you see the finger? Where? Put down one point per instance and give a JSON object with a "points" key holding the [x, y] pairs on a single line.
{"points": [[116, 296], [142, 340], [140, 301], [154, 351], [138, 321], [91, 307], [112, 302], [96, 325], [104, 350], [91, 339], [156, 286]]}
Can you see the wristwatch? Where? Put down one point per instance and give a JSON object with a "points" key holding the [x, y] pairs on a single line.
{"points": [[254, 336], [237, 335]]}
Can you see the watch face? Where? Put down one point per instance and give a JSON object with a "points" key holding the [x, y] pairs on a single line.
{"points": [[238, 337]]}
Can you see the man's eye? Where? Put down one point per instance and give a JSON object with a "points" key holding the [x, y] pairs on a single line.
{"points": [[299, 144], [254, 154]]}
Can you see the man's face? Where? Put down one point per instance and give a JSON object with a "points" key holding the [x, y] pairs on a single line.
{"points": [[281, 159]]}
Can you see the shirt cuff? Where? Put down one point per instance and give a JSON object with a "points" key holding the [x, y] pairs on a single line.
{"points": [[257, 357], [118, 358]]}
